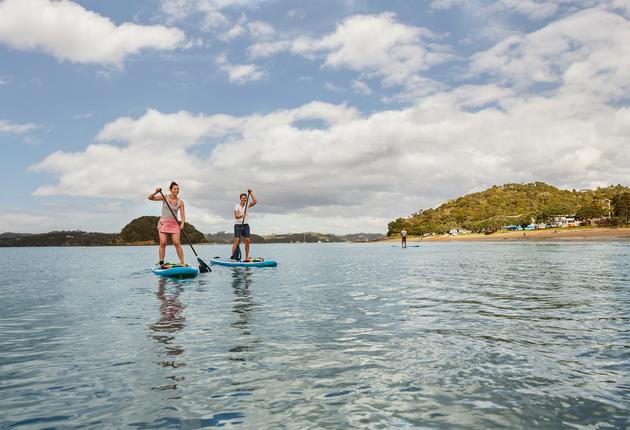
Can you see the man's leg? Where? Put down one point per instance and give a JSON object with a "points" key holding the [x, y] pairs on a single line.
{"points": [[246, 248]]}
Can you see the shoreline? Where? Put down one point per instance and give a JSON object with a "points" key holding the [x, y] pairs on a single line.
{"points": [[551, 234]]}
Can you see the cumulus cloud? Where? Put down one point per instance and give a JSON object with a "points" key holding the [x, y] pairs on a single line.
{"points": [[323, 161], [13, 128], [376, 45], [444, 145], [587, 51], [68, 31], [239, 73]]}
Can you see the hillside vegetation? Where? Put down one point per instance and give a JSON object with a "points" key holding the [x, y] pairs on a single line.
{"points": [[140, 231], [310, 237], [515, 204], [143, 231], [57, 238]]}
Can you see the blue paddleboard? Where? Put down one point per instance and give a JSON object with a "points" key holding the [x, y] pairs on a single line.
{"points": [[230, 263], [177, 272]]}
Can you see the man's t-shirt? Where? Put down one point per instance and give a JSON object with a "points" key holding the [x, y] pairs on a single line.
{"points": [[240, 210]]}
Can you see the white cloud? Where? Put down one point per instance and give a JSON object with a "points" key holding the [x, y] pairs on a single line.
{"points": [[260, 29], [268, 49], [587, 51], [13, 128], [24, 222], [447, 4], [361, 87], [312, 163], [212, 12], [5, 80], [239, 73], [179, 10], [384, 164], [333, 87], [68, 31], [531, 8], [377, 46]]}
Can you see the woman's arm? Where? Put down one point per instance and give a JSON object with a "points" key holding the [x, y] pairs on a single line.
{"points": [[182, 212], [153, 196]]}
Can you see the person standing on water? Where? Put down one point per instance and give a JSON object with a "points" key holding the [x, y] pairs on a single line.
{"points": [[241, 227], [169, 224], [403, 237]]}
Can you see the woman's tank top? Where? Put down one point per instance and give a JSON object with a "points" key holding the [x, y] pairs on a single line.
{"points": [[166, 214]]}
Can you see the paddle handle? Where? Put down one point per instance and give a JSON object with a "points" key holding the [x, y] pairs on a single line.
{"points": [[181, 229]]}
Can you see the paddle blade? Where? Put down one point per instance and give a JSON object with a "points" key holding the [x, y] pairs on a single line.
{"points": [[237, 254], [203, 267]]}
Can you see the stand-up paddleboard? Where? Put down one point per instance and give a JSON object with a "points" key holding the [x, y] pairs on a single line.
{"points": [[256, 262], [176, 271]]}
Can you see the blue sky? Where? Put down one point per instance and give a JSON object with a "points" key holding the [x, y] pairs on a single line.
{"points": [[341, 115]]}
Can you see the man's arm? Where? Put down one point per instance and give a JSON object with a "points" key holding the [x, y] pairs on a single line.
{"points": [[254, 201]]}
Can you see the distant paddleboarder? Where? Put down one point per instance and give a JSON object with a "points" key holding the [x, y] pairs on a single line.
{"points": [[169, 224], [241, 227], [403, 237]]}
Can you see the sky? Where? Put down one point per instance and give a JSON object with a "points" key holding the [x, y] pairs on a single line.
{"points": [[341, 115]]}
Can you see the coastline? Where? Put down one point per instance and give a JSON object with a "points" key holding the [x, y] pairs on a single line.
{"points": [[551, 234]]}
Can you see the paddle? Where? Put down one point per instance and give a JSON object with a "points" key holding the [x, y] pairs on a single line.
{"points": [[237, 252], [203, 267]]}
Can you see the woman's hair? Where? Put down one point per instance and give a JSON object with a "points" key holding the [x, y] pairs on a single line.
{"points": [[173, 184]]}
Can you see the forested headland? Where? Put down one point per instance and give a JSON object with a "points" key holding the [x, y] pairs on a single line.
{"points": [[518, 204]]}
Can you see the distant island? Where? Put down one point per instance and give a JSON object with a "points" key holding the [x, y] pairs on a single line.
{"points": [[142, 231], [308, 237], [520, 207]]}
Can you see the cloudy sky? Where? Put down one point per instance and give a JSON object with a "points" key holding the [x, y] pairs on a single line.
{"points": [[341, 115]]}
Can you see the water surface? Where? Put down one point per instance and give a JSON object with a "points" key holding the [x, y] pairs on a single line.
{"points": [[446, 335]]}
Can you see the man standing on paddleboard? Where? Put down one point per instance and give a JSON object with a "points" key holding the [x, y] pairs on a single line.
{"points": [[241, 227], [168, 224], [403, 237]]}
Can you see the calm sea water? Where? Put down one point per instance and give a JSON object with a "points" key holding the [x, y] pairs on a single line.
{"points": [[452, 335]]}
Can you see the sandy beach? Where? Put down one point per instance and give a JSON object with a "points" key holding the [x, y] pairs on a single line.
{"points": [[555, 234]]}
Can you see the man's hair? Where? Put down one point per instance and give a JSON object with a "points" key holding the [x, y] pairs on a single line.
{"points": [[173, 184], [242, 194]]}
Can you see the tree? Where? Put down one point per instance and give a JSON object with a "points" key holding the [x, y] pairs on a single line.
{"points": [[590, 211], [621, 203]]}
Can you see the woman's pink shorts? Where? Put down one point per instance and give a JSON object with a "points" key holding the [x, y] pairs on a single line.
{"points": [[168, 225]]}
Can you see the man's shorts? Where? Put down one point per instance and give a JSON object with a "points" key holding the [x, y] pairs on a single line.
{"points": [[238, 228]]}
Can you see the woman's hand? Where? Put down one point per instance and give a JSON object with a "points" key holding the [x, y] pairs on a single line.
{"points": [[181, 224]]}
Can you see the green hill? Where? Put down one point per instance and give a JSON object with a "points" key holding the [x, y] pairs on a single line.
{"points": [[143, 231], [57, 238], [516, 204]]}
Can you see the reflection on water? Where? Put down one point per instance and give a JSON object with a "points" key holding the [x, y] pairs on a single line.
{"points": [[171, 321], [242, 309]]}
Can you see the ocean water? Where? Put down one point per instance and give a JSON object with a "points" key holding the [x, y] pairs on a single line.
{"points": [[444, 335]]}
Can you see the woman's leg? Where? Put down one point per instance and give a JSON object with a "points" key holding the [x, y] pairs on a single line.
{"points": [[178, 247], [163, 239]]}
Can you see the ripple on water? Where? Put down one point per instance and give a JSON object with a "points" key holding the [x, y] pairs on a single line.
{"points": [[337, 336]]}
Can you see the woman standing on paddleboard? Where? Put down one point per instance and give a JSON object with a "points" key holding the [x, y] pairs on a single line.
{"points": [[168, 224]]}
